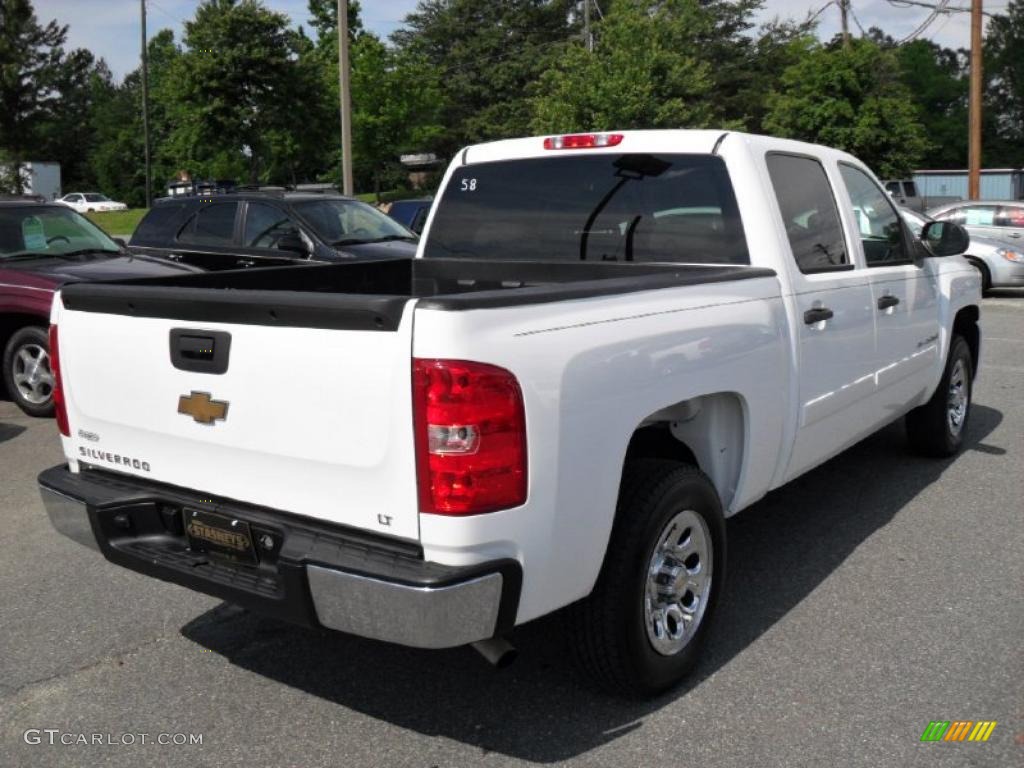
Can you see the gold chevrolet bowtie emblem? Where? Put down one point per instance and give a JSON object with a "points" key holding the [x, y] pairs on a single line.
{"points": [[200, 407]]}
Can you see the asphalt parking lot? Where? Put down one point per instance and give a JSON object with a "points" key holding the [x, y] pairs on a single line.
{"points": [[871, 596]]}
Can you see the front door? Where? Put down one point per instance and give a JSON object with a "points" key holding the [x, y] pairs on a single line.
{"points": [[834, 319], [904, 295]]}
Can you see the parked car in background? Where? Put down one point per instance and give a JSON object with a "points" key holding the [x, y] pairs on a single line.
{"points": [[43, 246], [87, 202], [248, 229], [1000, 265], [411, 214], [904, 192], [1001, 220]]}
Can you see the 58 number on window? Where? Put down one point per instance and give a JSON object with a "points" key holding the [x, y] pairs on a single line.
{"points": [[468, 185]]}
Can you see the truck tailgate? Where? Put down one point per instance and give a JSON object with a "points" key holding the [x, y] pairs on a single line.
{"points": [[316, 421]]}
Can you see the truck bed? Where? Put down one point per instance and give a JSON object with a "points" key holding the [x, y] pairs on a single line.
{"points": [[372, 295]]}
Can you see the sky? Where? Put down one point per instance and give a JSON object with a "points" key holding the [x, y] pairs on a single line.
{"points": [[110, 28]]}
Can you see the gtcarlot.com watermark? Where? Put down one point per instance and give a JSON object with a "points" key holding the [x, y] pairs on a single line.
{"points": [[57, 737]]}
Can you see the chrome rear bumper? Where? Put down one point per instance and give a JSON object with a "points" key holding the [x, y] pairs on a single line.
{"points": [[316, 575]]}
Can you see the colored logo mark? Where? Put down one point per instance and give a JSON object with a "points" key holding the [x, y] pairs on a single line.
{"points": [[958, 730]]}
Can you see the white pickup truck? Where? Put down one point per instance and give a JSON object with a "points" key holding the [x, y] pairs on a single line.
{"points": [[607, 344]]}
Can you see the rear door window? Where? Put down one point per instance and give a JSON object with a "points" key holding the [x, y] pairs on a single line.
{"points": [[600, 207], [809, 213], [211, 225]]}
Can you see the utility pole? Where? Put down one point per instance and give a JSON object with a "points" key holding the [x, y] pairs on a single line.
{"points": [[586, 26], [974, 121], [145, 107], [344, 86], [844, 11]]}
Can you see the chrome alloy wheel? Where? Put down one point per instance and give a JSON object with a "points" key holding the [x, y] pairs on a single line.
{"points": [[32, 374], [678, 582], [958, 397]]}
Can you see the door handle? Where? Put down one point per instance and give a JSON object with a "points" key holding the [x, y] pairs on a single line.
{"points": [[816, 315], [245, 263], [887, 301]]}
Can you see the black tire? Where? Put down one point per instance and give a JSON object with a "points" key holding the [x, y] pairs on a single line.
{"points": [[608, 629], [30, 337], [930, 427], [986, 277]]}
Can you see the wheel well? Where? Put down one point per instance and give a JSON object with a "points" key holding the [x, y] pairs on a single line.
{"points": [[966, 324], [9, 323], [986, 275], [707, 432]]}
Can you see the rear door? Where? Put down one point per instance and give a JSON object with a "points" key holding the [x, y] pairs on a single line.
{"points": [[316, 421], [904, 295], [834, 316]]}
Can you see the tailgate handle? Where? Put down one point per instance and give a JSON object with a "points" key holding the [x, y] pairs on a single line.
{"points": [[200, 351]]}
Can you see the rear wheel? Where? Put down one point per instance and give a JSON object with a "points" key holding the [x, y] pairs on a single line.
{"points": [[639, 632], [26, 371], [937, 428]]}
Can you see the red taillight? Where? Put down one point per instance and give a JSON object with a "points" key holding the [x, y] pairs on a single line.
{"points": [[583, 141], [59, 408], [470, 437]]}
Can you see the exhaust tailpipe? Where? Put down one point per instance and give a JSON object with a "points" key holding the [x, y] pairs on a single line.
{"points": [[497, 650]]}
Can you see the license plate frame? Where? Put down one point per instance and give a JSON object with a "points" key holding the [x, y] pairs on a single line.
{"points": [[219, 535]]}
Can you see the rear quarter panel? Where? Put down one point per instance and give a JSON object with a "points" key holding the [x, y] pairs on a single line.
{"points": [[591, 371]]}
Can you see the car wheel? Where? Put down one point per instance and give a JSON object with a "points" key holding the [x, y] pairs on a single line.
{"points": [[986, 276], [639, 632], [26, 371], [937, 428]]}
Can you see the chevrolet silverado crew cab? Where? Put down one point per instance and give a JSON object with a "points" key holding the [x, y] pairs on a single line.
{"points": [[607, 344]]}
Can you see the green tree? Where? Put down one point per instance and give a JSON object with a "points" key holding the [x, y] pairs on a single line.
{"points": [[645, 72], [1004, 70], [31, 67], [324, 19], [238, 88], [117, 155], [484, 56], [853, 99], [936, 81]]}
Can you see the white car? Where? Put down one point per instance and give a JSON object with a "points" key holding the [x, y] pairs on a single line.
{"points": [[606, 345], [1000, 263], [85, 202]]}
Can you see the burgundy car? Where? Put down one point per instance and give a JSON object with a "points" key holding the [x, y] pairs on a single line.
{"points": [[43, 246]]}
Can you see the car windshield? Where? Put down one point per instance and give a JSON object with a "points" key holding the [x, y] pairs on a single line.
{"points": [[602, 207], [49, 231], [350, 222], [94, 197]]}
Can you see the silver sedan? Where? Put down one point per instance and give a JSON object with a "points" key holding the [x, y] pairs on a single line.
{"points": [[1001, 264]]}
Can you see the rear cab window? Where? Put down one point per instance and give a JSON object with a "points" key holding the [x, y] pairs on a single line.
{"points": [[809, 213], [602, 207]]}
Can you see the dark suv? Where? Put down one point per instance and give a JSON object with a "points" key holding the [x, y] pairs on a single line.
{"points": [[248, 229]]}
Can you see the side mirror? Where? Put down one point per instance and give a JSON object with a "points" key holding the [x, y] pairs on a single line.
{"points": [[944, 238], [120, 241], [293, 242]]}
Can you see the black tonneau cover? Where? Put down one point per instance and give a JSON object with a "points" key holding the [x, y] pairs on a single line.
{"points": [[370, 295]]}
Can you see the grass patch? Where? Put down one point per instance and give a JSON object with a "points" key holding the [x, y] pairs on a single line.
{"points": [[118, 222]]}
